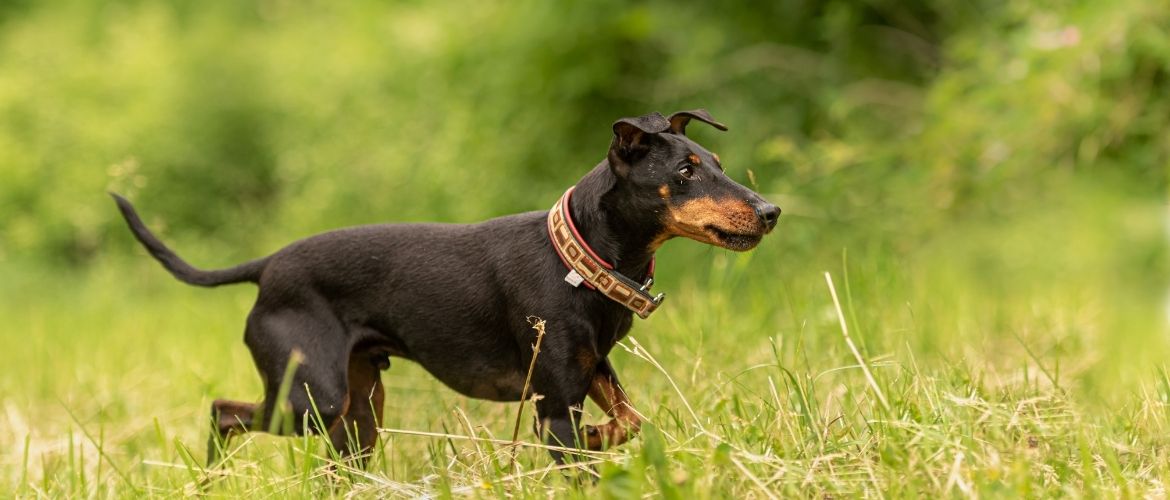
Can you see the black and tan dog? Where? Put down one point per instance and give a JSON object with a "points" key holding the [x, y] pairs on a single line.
{"points": [[454, 298]]}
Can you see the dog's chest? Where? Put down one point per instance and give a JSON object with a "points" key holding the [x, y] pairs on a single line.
{"points": [[490, 384], [617, 330]]}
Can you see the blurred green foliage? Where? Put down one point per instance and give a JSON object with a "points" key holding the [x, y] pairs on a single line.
{"points": [[985, 181], [277, 118]]}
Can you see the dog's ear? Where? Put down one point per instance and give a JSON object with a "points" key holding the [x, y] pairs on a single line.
{"points": [[679, 120], [631, 136]]}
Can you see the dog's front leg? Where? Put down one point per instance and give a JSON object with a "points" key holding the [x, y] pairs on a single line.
{"points": [[611, 398], [559, 425]]}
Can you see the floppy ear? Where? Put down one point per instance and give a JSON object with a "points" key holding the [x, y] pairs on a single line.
{"points": [[630, 135], [679, 121]]}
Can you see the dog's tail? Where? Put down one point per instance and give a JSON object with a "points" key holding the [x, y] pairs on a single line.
{"points": [[248, 271]]}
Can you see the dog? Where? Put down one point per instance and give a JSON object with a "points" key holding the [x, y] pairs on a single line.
{"points": [[332, 309]]}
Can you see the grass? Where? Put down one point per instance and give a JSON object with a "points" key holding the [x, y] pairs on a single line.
{"points": [[1010, 356]]}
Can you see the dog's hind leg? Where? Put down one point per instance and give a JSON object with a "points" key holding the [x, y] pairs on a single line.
{"points": [[227, 418], [317, 394], [355, 433]]}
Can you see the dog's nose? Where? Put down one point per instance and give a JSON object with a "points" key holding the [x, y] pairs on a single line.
{"points": [[768, 214]]}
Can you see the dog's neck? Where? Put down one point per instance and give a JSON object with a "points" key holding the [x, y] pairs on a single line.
{"points": [[610, 225]]}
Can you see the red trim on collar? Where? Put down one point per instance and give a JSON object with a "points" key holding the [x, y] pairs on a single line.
{"points": [[586, 267], [568, 214]]}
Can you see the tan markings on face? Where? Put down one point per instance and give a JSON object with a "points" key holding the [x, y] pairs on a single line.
{"points": [[694, 159], [695, 218], [664, 192]]}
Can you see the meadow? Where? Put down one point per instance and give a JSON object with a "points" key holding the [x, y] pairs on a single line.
{"points": [[965, 296]]}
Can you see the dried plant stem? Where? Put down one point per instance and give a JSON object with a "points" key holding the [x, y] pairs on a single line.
{"points": [[538, 325]]}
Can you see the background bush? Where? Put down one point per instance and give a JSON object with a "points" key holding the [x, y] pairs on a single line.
{"points": [[985, 179], [231, 118]]}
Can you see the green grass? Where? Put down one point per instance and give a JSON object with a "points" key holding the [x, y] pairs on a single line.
{"points": [[984, 181], [1020, 355]]}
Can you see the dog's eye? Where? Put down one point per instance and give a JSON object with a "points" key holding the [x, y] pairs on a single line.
{"points": [[686, 171]]}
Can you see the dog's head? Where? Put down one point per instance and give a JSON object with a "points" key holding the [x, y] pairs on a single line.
{"points": [[668, 174]]}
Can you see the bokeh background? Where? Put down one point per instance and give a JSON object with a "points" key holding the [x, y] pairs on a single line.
{"points": [[986, 178]]}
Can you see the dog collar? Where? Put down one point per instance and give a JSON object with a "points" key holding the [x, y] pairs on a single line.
{"points": [[586, 267]]}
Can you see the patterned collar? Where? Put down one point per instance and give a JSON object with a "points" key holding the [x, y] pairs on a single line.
{"points": [[586, 267]]}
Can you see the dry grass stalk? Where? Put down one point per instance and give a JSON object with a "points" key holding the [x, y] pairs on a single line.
{"points": [[849, 341], [538, 325]]}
